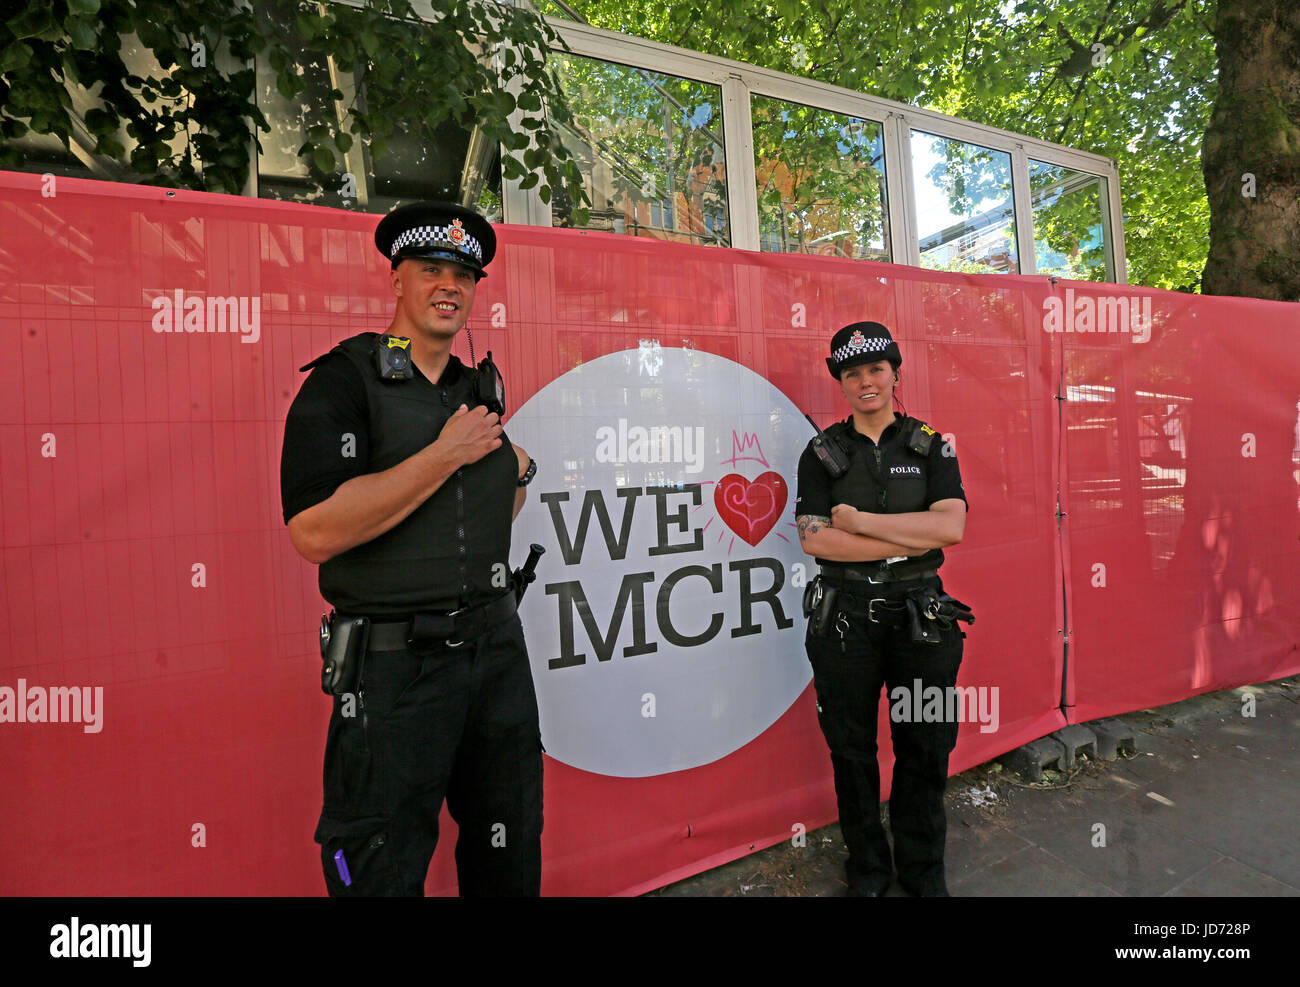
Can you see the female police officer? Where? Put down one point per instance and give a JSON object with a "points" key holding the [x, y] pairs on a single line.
{"points": [[877, 501]]}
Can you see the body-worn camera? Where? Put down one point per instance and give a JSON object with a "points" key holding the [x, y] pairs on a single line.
{"points": [[393, 358]]}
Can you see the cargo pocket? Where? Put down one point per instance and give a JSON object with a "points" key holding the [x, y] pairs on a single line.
{"points": [[353, 776], [357, 858]]}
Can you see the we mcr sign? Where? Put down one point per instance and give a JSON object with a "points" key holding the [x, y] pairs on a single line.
{"points": [[667, 632]]}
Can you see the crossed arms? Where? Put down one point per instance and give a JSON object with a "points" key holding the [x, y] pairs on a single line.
{"points": [[850, 535]]}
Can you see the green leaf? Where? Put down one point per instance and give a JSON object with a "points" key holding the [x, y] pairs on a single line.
{"points": [[86, 8], [100, 121], [512, 168], [343, 142], [44, 122], [110, 147], [323, 158], [15, 57], [289, 85], [81, 34], [32, 22], [369, 42]]}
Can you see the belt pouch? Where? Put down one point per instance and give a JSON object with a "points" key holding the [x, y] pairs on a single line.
{"points": [[923, 629], [825, 611], [343, 654]]}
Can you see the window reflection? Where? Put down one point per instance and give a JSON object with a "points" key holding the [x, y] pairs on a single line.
{"points": [[1162, 423], [1069, 241], [821, 181], [650, 150], [963, 206], [451, 162]]}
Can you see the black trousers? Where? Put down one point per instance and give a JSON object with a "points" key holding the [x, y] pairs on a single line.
{"points": [[848, 673], [459, 723]]}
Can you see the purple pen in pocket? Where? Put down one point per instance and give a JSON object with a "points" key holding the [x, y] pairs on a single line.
{"points": [[341, 863]]}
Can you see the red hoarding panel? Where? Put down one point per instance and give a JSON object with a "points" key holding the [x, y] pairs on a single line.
{"points": [[1181, 468], [151, 343]]}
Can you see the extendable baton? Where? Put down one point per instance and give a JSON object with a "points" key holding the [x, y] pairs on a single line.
{"points": [[527, 573]]}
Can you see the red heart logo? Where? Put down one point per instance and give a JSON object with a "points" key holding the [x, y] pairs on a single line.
{"points": [[750, 508]]}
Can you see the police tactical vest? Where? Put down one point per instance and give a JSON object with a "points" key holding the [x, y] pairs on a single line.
{"points": [[442, 555], [891, 478]]}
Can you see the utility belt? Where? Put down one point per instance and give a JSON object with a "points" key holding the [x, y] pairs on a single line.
{"points": [[346, 638], [915, 601], [896, 570]]}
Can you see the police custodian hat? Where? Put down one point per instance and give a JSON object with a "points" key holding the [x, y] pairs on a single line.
{"points": [[437, 229], [862, 342]]}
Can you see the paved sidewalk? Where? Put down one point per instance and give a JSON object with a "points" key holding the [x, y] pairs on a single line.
{"points": [[1208, 807]]}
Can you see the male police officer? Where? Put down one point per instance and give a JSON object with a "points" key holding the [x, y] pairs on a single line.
{"points": [[399, 481], [881, 486]]}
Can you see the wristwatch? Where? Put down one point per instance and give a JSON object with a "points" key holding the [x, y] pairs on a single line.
{"points": [[529, 473]]}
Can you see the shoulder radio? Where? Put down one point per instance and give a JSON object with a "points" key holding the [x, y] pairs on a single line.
{"points": [[829, 452]]}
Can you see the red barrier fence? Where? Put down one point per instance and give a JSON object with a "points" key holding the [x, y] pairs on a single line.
{"points": [[150, 347]]}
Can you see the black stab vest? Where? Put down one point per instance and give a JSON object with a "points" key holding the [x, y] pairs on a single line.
{"points": [[892, 478], [443, 554]]}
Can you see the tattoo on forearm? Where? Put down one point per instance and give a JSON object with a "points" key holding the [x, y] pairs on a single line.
{"points": [[810, 524]]}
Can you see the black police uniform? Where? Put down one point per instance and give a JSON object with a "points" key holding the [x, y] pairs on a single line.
{"points": [[866, 644], [434, 717]]}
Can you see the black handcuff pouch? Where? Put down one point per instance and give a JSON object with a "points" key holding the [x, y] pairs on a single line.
{"points": [[930, 612], [819, 606], [343, 651]]}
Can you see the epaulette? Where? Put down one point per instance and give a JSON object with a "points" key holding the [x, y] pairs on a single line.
{"points": [[364, 340]]}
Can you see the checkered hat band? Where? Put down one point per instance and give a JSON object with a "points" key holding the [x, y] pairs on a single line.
{"points": [[435, 236], [872, 345]]}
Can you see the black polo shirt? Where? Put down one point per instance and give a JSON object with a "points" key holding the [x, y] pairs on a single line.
{"points": [[912, 482]]}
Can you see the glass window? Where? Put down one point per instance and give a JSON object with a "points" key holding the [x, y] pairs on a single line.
{"points": [[45, 153], [963, 206], [821, 181], [650, 149], [451, 162], [1069, 241]]}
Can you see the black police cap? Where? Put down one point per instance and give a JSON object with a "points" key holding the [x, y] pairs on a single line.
{"points": [[440, 230], [862, 342]]}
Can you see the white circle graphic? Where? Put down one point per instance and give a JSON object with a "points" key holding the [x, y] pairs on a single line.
{"points": [[664, 627]]}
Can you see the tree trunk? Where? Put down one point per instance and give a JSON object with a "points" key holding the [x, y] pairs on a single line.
{"points": [[1255, 131]]}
